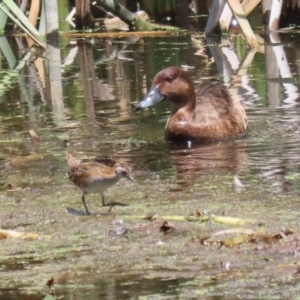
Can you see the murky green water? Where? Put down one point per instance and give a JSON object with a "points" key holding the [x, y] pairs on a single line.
{"points": [[80, 100]]}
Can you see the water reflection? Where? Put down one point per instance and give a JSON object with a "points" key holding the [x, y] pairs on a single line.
{"points": [[100, 79], [117, 287], [134, 287], [221, 158], [275, 52], [107, 76], [15, 294]]}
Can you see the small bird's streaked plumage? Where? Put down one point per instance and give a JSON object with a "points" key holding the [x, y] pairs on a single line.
{"points": [[94, 178]]}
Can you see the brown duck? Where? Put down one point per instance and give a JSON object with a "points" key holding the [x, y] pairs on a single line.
{"points": [[210, 115]]}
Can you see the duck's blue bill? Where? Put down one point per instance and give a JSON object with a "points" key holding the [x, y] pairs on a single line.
{"points": [[153, 97]]}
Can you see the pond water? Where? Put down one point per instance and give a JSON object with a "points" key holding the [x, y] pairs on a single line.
{"points": [[80, 99]]}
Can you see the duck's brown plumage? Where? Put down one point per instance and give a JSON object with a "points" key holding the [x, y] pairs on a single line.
{"points": [[210, 114]]}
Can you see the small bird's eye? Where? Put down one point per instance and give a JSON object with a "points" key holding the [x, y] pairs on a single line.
{"points": [[170, 79]]}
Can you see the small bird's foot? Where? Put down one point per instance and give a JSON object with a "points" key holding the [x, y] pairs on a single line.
{"points": [[77, 212], [112, 204], [80, 213]]}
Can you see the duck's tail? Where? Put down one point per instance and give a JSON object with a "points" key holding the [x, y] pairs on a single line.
{"points": [[72, 162]]}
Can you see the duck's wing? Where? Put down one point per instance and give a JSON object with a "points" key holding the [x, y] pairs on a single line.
{"points": [[218, 112], [213, 102]]}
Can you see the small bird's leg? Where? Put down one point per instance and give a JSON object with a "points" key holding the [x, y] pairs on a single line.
{"points": [[85, 206], [110, 207], [111, 204], [103, 200], [108, 204]]}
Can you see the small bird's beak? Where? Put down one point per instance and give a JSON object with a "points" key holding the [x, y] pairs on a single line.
{"points": [[129, 176], [153, 97]]}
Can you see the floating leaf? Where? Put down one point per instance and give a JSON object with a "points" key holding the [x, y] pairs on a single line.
{"points": [[60, 279], [159, 225], [19, 162], [244, 236], [237, 183], [5, 234], [198, 217], [34, 137]]}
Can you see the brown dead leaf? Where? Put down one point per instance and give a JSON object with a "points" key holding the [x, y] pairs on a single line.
{"points": [[244, 235], [233, 221], [225, 265], [166, 227], [237, 240], [151, 216], [30, 159], [159, 225], [50, 282], [5, 234], [197, 213], [118, 231], [283, 234], [34, 137], [60, 279], [108, 48], [115, 22], [297, 273]]}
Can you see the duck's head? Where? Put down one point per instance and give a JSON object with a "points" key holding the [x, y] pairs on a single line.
{"points": [[171, 83]]}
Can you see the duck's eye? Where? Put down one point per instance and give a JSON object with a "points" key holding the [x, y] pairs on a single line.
{"points": [[170, 79]]}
